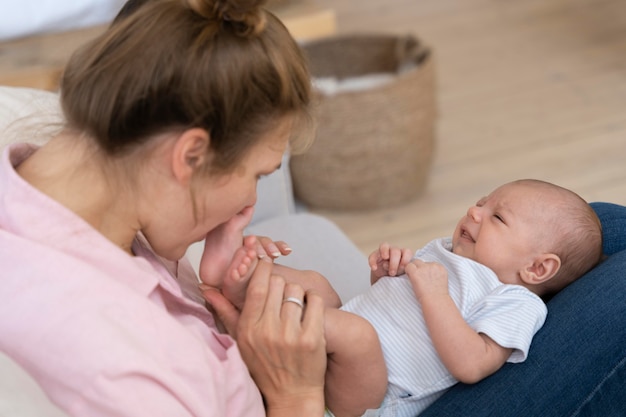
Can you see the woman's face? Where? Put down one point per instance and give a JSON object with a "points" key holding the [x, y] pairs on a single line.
{"points": [[219, 198]]}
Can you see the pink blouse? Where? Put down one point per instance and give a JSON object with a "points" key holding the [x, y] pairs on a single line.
{"points": [[104, 333]]}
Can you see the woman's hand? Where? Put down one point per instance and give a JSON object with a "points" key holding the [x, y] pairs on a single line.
{"points": [[265, 246], [281, 342]]}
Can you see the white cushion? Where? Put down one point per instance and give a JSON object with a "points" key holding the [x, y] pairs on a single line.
{"points": [[29, 17], [25, 107]]}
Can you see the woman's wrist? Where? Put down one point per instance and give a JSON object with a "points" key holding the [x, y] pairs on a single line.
{"points": [[311, 405]]}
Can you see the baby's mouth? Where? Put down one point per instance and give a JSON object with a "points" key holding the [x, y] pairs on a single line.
{"points": [[465, 235]]}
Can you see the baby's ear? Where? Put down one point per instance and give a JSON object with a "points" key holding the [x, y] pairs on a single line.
{"points": [[543, 268]]}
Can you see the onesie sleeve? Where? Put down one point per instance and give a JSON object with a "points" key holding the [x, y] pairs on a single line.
{"points": [[510, 315]]}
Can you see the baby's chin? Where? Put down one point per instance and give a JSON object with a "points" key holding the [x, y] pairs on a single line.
{"points": [[457, 249]]}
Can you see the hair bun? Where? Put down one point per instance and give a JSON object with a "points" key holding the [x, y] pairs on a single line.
{"points": [[246, 16]]}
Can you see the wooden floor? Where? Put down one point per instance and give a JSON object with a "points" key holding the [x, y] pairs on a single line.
{"points": [[533, 88]]}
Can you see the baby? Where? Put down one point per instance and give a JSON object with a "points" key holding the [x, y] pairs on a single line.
{"points": [[456, 310]]}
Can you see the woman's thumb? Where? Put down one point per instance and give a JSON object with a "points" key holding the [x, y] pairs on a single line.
{"points": [[226, 312]]}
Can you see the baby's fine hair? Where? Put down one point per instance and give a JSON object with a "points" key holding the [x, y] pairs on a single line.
{"points": [[576, 233], [227, 66]]}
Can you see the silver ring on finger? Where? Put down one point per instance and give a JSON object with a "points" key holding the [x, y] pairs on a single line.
{"points": [[294, 300]]}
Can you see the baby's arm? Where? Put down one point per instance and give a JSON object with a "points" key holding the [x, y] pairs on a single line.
{"points": [[389, 261], [468, 355]]}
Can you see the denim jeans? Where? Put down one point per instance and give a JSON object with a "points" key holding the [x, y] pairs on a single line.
{"points": [[577, 361]]}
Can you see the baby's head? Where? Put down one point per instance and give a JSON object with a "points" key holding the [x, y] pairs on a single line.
{"points": [[531, 233]]}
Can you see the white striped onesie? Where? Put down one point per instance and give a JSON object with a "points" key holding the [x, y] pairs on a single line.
{"points": [[509, 314]]}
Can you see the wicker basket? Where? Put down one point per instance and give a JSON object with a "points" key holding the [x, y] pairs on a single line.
{"points": [[373, 147]]}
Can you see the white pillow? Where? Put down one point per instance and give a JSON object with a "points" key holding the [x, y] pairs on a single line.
{"points": [[27, 107], [29, 17]]}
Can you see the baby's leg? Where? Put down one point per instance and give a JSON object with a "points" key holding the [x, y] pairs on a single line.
{"points": [[356, 375], [219, 247], [310, 280], [243, 264]]}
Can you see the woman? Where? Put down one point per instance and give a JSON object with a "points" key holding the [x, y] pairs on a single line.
{"points": [[172, 115]]}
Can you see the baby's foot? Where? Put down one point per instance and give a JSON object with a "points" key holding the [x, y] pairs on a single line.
{"points": [[220, 245], [238, 275]]}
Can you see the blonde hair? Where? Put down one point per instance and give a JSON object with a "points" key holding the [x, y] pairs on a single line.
{"points": [[229, 67]]}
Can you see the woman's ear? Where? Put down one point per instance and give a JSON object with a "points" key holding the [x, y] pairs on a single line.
{"points": [[542, 269], [189, 153]]}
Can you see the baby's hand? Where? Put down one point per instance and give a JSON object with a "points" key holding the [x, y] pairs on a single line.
{"points": [[429, 279], [388, 261]]}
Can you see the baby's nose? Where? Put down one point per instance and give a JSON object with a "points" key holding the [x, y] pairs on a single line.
{"points": [[474, 213]]}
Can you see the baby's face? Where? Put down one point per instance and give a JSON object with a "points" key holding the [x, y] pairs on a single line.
{"points": [[503, 231]]}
